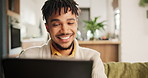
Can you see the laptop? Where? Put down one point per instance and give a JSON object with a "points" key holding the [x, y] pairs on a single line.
{"points": [[46, 68]]}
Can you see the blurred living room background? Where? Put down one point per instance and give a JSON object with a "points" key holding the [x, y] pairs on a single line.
{"points": [[123, 37], [118, 29]]}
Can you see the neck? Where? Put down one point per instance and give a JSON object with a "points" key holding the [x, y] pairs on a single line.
{"points": [[64, 52]]}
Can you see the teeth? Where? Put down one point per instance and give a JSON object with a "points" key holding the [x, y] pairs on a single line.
{"points": [[65, 37]]}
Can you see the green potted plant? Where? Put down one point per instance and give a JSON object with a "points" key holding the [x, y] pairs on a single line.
{"points": [[143, 2], [93, 25]]}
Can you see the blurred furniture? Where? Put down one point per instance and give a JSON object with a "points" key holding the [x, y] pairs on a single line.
{"points": [[29, 43], [13, 26], [126, 70], [109, 49], [13, 8]]}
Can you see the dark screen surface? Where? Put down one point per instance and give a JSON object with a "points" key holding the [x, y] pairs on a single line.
{"points": [[15, 38], [40, 68]]}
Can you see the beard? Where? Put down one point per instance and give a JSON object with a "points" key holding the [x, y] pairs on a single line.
{"points": [[63, 48]]}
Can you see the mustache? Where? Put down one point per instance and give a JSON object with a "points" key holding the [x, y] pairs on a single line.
{"points": [[64, 34]]}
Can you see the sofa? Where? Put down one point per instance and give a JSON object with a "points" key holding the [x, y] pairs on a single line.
{"points": [[126, 70]]}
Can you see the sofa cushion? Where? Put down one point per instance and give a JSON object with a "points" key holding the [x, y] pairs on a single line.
{"points": [[126, 70]]}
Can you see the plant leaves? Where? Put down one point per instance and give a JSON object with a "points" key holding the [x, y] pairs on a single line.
{"points": [[92, 25]]}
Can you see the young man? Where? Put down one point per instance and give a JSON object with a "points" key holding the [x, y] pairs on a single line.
{"points": [[61, 24]]}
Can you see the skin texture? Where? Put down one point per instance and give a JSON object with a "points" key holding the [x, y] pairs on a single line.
{"points": [[62, 29]]}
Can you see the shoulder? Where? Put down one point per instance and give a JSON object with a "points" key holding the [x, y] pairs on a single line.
{"points": [[88, 50], [33, 49], [90, 53], [32, 52], [86, 53]]}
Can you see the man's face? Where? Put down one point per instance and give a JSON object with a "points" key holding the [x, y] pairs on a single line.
{"points": [[62, 28]]}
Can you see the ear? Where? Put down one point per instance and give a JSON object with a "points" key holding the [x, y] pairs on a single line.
{"points": [[47, 27]]}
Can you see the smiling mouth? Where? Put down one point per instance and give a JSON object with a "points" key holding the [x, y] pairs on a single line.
{"points": [[64, 36]]}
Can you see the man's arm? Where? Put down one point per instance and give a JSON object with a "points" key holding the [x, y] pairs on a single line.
{"points": [[98, 67]]}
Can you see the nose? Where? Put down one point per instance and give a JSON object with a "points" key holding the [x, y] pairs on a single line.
{"points": [[64, 28]]}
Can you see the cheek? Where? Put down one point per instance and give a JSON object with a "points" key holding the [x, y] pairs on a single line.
{"points": [[53, 31], [75, 29]]}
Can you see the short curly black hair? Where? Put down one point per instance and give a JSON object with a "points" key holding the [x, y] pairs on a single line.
{"points": [[52, 6]]}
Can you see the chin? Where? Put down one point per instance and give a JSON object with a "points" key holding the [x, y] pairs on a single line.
{"points": [[65, 45]]}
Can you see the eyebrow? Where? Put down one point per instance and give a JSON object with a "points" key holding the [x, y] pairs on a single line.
{"points": [[59, 20], [71, 19], [54, 20]]}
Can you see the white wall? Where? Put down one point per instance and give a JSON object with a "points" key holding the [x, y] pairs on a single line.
{"points": [[110, 17], [97, 7], [84, 3], [30, 14], [134, 32]]}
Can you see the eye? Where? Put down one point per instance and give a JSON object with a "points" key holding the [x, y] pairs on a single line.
{"points": [[71, 23], [56, 24]]}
